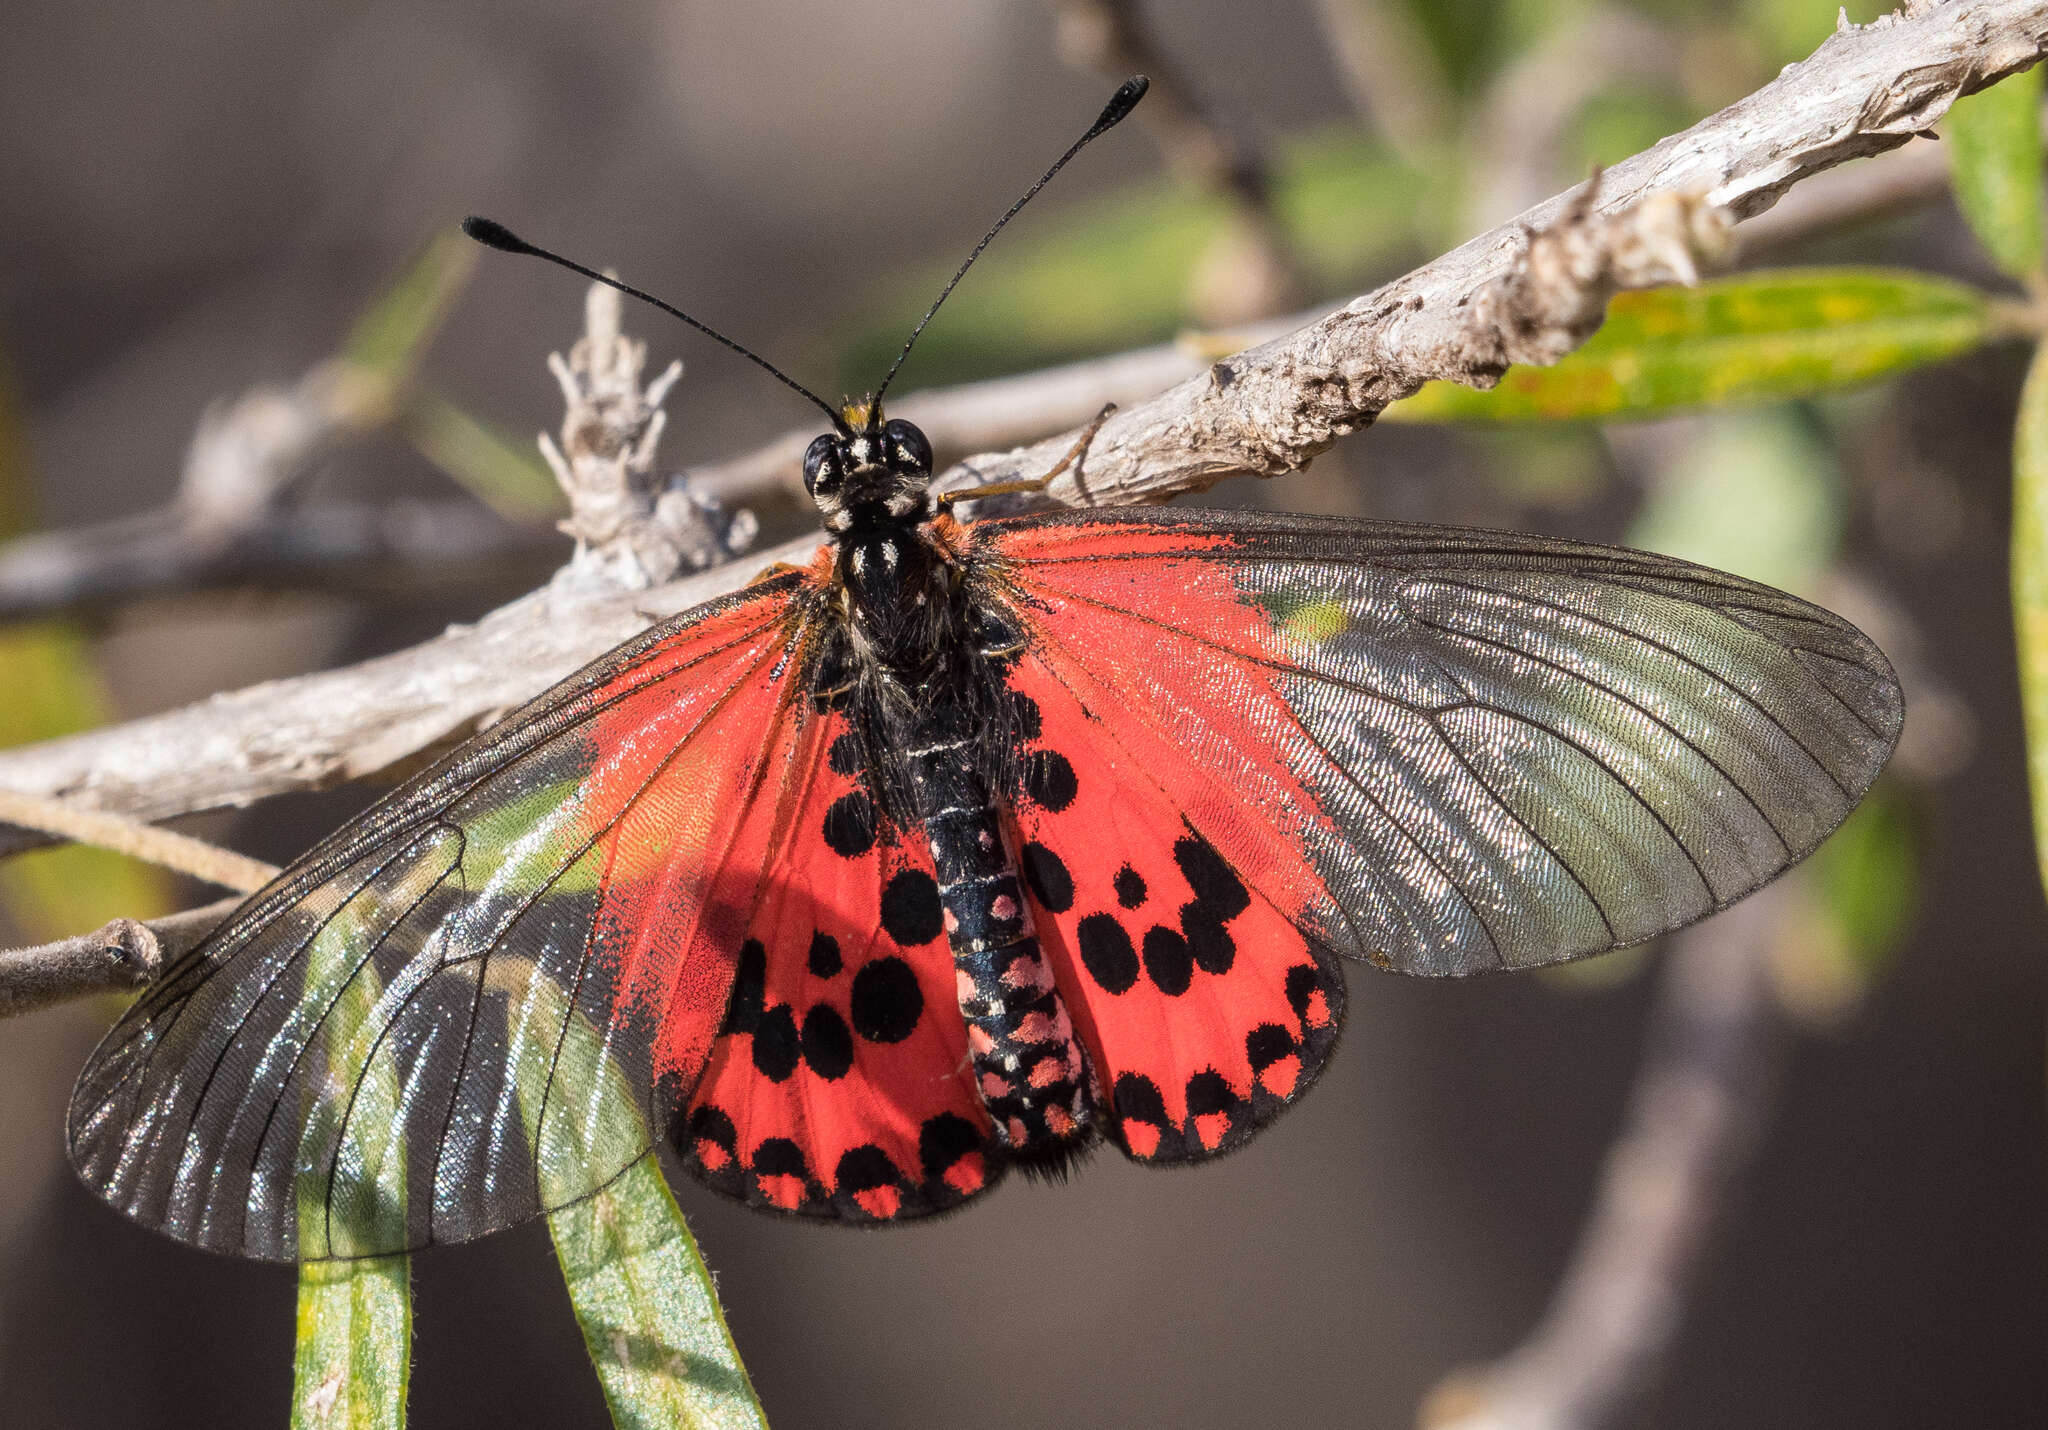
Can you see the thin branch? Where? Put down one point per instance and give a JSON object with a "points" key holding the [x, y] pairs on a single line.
{"points": [[119, 958], [1502, 297], [165, 848], [1691, 1125], [393, 551]]}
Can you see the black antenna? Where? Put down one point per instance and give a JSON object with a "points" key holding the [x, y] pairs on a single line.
{"points": [[496, 235], [1119, 107]]}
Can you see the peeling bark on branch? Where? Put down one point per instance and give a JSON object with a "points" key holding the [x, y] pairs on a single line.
{"points": [[1529, 289]]}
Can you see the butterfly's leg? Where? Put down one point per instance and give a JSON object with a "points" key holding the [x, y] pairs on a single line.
{"points": [[1038, 483]]}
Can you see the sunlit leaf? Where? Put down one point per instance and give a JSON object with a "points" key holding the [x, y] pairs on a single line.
{"points": [[2030, 584], [1994, 140], [354, 1345], [1757, 337], [649, 1313], [642, 1294]]}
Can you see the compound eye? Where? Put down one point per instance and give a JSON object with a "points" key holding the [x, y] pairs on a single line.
{"points": [[907, 446], [821, 464]]}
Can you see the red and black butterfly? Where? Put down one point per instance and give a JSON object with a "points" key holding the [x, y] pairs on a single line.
{"points": [[964, 847]]}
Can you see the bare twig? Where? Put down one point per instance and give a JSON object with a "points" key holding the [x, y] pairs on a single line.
{"points": [[633, 528], [1690, 1128], [124, 955], [1500, 297], [165, 848], [1250, 272], [395, 551]]}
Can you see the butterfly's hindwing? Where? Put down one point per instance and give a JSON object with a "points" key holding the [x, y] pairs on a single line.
{"points": [[841, 1085], [1204, 1009]]}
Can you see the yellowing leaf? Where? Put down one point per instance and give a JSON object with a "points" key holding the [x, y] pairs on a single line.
{"points": [[2030, 584], [1757, 337]]}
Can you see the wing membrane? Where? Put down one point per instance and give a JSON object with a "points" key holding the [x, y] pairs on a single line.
{"points": [[420, 1031], [1448, 751]]}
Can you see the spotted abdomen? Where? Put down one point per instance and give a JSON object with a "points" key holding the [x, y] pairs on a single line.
{"points": [[1027, 1060]]}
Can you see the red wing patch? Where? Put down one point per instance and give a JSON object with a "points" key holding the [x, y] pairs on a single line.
{"points": [[1204, 1009], [840, 1085]]}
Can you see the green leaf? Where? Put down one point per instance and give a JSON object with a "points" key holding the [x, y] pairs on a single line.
{"points": [[1757, 337], [1994, 140], [354, 1343], [649, 1312], [2030, 584], [389, 339], [502, 473], [641, 1292]]}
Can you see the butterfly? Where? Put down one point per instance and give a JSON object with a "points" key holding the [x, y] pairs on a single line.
{"points": [[966, 847]]}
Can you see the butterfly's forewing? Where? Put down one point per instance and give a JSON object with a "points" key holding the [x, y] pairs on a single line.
{"points": [[418, 1033], [841, 1086], [1448, 751]]}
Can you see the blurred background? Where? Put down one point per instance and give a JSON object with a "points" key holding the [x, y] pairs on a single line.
{"points": [[201, 202]]}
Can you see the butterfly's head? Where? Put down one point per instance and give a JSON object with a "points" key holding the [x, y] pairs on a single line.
{"points": [[869, 473]]}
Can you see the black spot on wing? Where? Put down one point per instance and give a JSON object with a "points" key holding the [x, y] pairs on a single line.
{"points": [[911, 913], [823, 959], [827, 1045], [1047, 874], [1168, 961], [864, 1168], [887, 1001], [1130, 887], [944, 1140], [749, 989], [850, 825], [1215, 884], [776, 1046], [1107, 953], [1210, 943], [1049, 780]]}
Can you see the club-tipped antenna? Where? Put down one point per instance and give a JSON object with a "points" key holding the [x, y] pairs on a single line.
{"points": [[495, 235], [1114, 113]]}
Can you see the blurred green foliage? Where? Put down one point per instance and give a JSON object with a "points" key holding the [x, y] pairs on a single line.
{"points": [[52, 689], [1995, 154], [1116, 270]]}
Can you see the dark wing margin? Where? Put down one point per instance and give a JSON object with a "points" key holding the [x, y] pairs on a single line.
{"points": [[1449, 750], [490, 994]]}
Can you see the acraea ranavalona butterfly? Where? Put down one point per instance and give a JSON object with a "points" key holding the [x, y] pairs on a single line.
{"points": [[964, 847]]}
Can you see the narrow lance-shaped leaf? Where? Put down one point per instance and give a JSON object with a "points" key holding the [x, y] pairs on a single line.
{"points": [[641, 1292], [503, 474], [388, 338], [1994, 140], [2030, 584], [354, 1345], [1759, 337]]}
